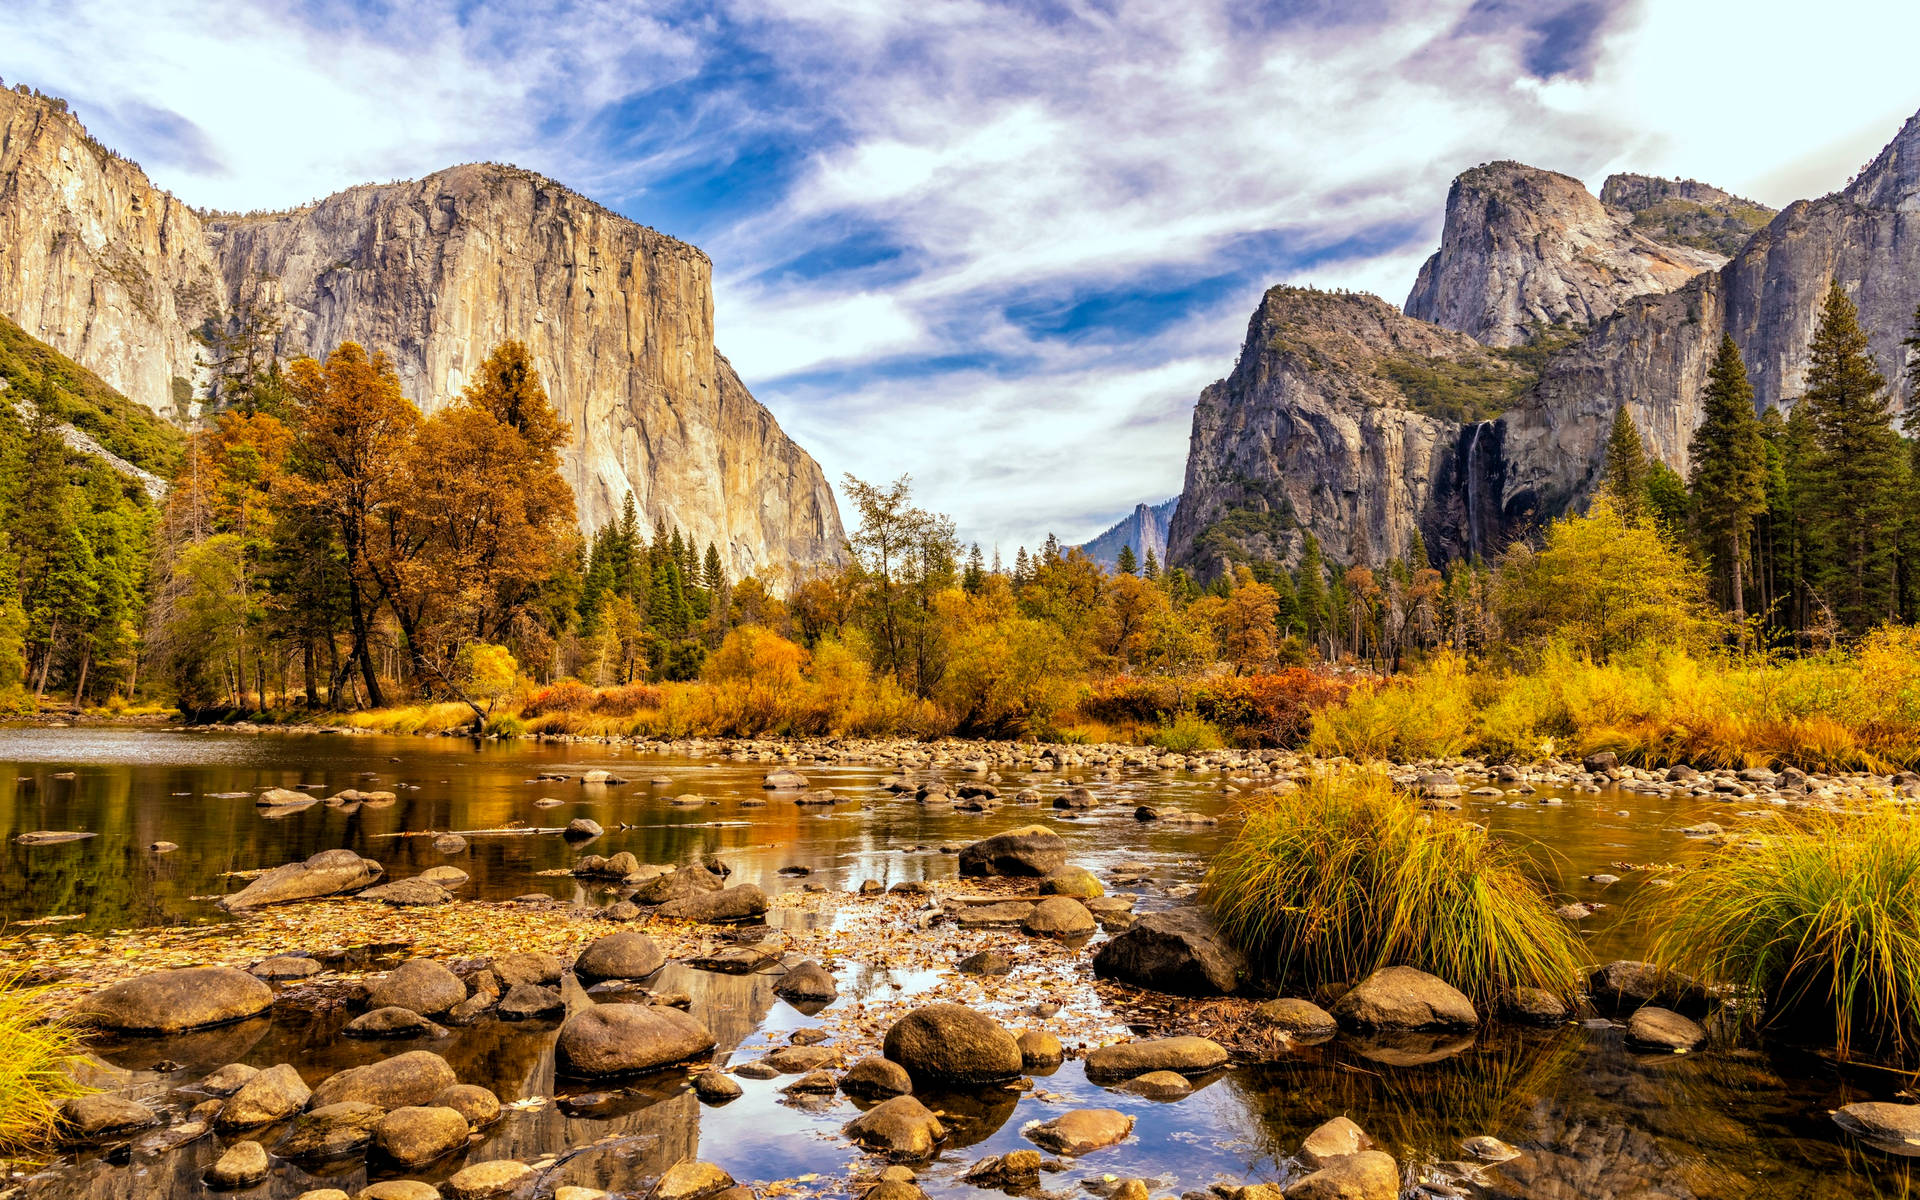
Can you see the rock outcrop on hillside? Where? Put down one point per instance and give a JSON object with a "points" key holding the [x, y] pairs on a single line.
{"points": [[1524, 248], [433, 272], [1405, 429], [97, 262], [1343, 419], [1654, 353], [1144, 529]]}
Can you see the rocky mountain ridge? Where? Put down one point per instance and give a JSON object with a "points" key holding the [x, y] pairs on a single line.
{"points": [[1524, 248], [433, 272], [1144, 529], [1409, 430]]}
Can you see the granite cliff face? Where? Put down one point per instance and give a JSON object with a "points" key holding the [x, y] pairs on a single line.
{"points": [[433, 272], [1340, 419], [1523, 248], [97, 262], [1654, 353], [1144, 529], [1410, 426]]}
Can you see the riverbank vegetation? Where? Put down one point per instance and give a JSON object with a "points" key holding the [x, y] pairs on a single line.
{"points": [[327, 549], [38, 1052], [1816, 915], [1324, 884]]}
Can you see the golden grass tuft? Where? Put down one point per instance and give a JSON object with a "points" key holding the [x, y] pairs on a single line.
{"points": [[1346, 875], [1817, 918], [37, 1054]]}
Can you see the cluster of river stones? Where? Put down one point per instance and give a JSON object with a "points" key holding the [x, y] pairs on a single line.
{"points": [[410, 1110]]}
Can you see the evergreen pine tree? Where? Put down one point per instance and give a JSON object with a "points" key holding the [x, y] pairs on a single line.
{"points": [[1623, 474], [1050, 551], [976, 573], [1152, 569], [1286, 613], [627, 548], [1417, 553], [713, 576], [1857, 485], [1729, 469], [1022, 568], [1311, 588], [1127, 563]]}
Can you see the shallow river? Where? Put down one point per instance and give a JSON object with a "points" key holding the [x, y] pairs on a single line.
{"points": [[1594, 1120]]}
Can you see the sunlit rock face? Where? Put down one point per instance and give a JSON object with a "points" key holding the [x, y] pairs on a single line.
{"points": [[1328, 424], [1523, 247], [434, 273]]}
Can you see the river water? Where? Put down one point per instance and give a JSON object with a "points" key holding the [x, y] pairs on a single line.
{"points": [[1593, 1119]]}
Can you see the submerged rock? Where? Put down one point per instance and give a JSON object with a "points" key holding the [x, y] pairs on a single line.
{"points": [[487, 1180]]}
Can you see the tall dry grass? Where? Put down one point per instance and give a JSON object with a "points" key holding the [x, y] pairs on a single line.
{"points": [[1346, 875], [1817, 918], [37, 1054]]}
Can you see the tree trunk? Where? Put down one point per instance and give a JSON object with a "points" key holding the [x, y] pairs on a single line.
{"points": [[306, 671], [80, 689], [46, 664]]}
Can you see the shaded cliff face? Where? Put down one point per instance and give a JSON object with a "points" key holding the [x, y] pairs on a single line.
{"points": [[434, 273], [1339, 420], [1524, 247], [97, 262], [1144, 529]]}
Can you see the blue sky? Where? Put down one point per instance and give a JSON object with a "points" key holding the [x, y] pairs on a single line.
{"points": [[999, 246]]}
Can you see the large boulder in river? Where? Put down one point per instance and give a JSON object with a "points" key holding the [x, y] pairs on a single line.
{"points": [[1404, 998], [328, 873], [178, 1000], [729, 904], [419, 985], [413, 1078], [1031, 850], [627, 1039], [1179, 951], [950, 1043], [630, 955]]}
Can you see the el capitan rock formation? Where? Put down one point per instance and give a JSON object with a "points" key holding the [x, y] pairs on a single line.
{"points": [[434, 272]]}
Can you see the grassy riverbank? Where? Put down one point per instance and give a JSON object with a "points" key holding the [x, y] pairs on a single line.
{"points": [[1841, 711]]}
